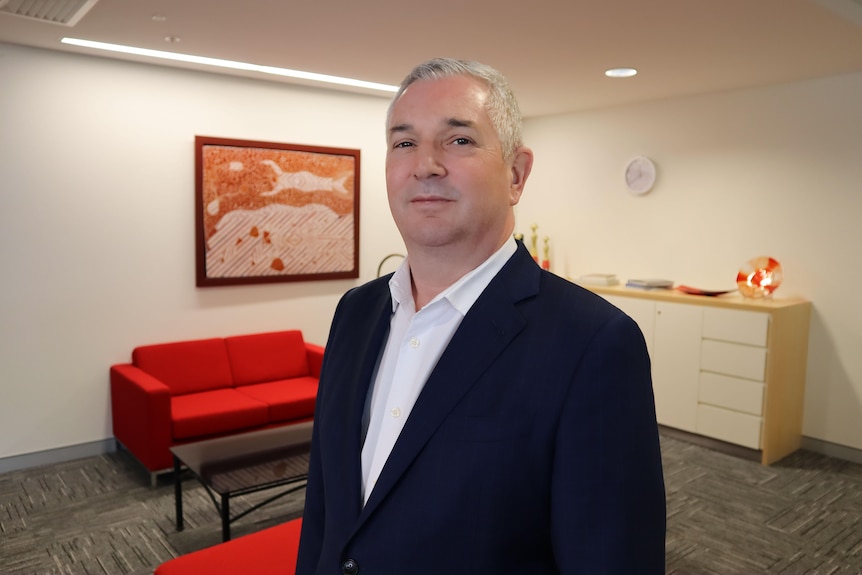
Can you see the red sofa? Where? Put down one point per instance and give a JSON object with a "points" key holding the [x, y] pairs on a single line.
{"points": [[272, 551], [180, 392]]}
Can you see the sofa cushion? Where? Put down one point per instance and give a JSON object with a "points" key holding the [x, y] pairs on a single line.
{"points": [[287, 399], [186, 366], [215, 412], [263, 357]]}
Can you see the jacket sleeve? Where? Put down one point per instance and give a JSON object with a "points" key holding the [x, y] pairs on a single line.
{"points": [[608, 507], [313, 516], [311, 537]]}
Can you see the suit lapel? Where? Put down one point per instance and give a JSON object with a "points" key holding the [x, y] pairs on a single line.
{"points": [[483, 335], [377, 312]]}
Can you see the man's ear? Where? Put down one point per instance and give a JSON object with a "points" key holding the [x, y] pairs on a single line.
{"points": [[522, 165]]}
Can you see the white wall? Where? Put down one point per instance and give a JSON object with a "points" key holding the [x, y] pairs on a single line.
{"points": [[97, 234], [97, 244], [772, 171]]}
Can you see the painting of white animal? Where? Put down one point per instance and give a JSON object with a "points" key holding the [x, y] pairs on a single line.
{"points": [[304, 181]]}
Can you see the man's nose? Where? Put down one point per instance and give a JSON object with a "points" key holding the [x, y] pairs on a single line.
{"points": [[429, 163]]}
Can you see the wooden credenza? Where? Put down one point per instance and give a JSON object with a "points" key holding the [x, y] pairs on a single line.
{"points": [[725, 368]]}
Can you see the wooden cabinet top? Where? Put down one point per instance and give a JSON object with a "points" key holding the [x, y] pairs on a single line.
{"points": [[731, 301]]}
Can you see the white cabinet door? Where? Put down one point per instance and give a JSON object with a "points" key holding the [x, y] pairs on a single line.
{"points": [[673, 335], [640, 310], [676, 363]]}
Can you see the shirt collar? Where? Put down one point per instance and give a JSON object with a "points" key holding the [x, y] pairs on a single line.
{"points": [[464, 292]]}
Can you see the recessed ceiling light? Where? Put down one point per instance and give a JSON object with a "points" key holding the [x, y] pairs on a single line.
{"points": [[298, 74], [620, 72]]}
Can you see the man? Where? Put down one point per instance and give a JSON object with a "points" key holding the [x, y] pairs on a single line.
{"points": [[477, 414]]}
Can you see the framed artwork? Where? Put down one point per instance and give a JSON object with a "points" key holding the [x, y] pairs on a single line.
{"points": [[268, 212]]}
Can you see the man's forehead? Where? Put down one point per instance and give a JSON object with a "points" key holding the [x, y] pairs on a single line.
{"points": [[456, 101], [441, 122]]}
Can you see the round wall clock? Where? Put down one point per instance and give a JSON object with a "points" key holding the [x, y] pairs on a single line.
{"points": [[640, 175]]}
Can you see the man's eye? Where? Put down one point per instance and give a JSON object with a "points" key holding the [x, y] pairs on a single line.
{"points": [[403, 145], [462, 141]]}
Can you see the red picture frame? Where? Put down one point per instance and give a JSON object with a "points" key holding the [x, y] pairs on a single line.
{"points": [[270, 212]]}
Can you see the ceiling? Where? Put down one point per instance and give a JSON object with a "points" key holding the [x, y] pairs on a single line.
{"points": [[553, 51]]}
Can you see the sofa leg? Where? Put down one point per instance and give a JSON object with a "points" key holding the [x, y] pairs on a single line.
{"points": [[154, 475]]}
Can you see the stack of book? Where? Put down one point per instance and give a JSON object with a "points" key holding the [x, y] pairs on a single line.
{"points": [[598, 280], [651, 283]]}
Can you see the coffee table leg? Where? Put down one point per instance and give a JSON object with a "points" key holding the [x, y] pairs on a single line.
{"points": [[225, 517], [178, 493]]}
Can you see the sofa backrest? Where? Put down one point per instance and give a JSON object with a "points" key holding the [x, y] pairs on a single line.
{"points": [[186, 366], [264, 357]]}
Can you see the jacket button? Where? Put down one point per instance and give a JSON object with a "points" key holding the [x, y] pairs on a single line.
{"points": [[350, 567]]}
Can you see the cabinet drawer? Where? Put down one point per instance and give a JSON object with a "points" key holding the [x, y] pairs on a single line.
{"points": [[733, 359], [749, 327], [731, 426], [731, 393]]}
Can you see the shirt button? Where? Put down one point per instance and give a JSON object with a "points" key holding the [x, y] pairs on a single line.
{"points": [[395, 412], [414, 342]]}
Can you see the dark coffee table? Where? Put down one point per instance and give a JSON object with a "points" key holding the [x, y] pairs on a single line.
{"points": [[242, 464]]}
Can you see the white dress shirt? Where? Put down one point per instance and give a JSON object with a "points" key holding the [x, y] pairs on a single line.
{"points": [[416, 341]]}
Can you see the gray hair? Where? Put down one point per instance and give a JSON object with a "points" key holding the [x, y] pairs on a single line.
{"points": [[502, 107]]}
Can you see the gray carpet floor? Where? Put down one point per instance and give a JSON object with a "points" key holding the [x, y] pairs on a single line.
{"points": [[726, 515]]}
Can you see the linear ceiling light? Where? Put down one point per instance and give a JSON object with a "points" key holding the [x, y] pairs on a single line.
{"points": [[230, 64], [621, 72]]}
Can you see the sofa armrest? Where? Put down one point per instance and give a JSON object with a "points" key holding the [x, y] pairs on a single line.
{"points": [[141, 415], [315, 358]]}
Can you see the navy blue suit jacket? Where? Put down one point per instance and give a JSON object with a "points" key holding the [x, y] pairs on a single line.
{"points": [[532, 449]]}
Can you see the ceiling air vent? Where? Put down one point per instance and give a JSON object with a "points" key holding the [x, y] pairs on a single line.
{"points": [[64, 12]]}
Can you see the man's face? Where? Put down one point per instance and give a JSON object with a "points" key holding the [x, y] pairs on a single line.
{"points": [[447, 182]]}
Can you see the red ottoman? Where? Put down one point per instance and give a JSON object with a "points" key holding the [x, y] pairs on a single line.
{"points": [[268, 552]]}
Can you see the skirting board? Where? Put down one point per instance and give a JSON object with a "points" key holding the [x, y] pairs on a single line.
{"points": [[708, 442], [832, 449], [94, 448], [835, 450], [58, 455]]}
